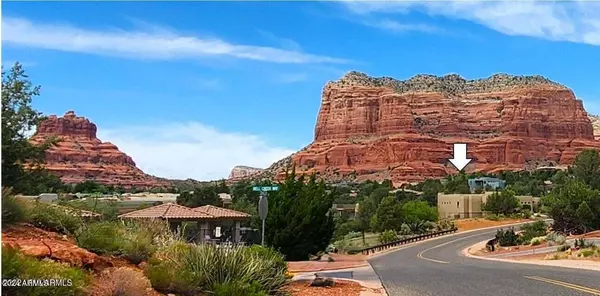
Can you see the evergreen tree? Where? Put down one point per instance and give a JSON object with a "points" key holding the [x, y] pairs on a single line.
{"points": [[503, 202], [388, 215], [18, 118], [586, 168], [300, 219], [563, 202], [586, 216], [201, 196], [416, 213]]}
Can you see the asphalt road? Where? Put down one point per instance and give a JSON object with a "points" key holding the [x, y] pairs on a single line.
{"points": [[437, 267]]}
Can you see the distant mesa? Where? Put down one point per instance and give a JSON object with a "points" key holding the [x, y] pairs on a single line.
{"points": [[79, 155], [383, 128], [595, 119], [241, 172]]}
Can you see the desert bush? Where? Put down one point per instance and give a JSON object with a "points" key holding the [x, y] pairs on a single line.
{"points": [[507, 237], [53, 218], [556, 256], [13, 209], [446, 224], [563, 248], [582, 243], [18, 266], [404, 229], [535, 229], [190, 269], [587, 252], [555, 239], [238, 289], [102, 238], [492, 217], [352, 234], [388, 236], [525, 213], [538, 240], [122, 282]]}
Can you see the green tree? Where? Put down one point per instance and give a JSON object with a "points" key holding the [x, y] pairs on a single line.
{"points": [[300, 220], [388, 215], [417, 213], [585, 216], [366, 210], [457, 184], [563, 202], [430, 190], [587, 168], [201, 196], [503, 202], [18, 118]]}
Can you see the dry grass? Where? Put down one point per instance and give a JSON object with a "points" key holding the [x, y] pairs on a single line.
{"points": [[122, 281], [477, 223]]}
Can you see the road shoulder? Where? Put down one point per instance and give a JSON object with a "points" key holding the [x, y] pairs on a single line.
{"points": [[576, 264]]}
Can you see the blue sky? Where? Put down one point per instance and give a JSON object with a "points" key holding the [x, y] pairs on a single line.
{"points": [[189, 89]]}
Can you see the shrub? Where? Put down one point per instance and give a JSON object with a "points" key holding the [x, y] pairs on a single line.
{"points": [[405, 229], [563, 248], [13, 209], [507, 237], [16, 265], [538, 240], [238, 289], [582, 243], [353, 234], [55, 219], [102, 238], [388, 236], [587, 252], [535, 229], [555, 239], [492, 217], [446, 224], [121, 281], [526, 213], [190, 269]]}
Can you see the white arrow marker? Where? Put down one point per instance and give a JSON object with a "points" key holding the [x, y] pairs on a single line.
{"points": [[460, 159]]}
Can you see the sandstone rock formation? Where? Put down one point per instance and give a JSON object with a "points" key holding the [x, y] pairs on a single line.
{"points": [[79, 156], [595, 119], [241, 172], [383, 128]]}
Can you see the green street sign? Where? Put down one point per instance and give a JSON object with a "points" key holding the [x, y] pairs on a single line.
{"points": [[265, 188]]}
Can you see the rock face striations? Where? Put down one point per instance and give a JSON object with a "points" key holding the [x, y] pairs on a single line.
{"points": [[241, 172], [79, 155], [383, 128], [596, 125]]}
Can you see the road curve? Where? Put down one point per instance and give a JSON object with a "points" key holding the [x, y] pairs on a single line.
{"points": [[437, 267]]}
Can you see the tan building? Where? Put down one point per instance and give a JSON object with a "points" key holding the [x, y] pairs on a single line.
{"points": [[469, 205]]}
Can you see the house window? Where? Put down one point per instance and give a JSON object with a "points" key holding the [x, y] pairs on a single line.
{"points": [[457, 204]]}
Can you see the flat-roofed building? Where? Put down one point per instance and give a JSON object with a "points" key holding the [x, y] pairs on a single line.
{"points": [[469, 205]]}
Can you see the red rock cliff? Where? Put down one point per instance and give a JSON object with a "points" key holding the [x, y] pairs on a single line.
{"points": [[79, 155], [378, 128]]}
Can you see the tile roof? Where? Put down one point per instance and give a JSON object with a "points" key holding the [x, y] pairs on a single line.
{"points": [[167, 211], [218, 212]]}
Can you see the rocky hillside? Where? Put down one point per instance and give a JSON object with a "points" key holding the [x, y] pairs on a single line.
{"points": [[79, 155], [241, 172], [383, 128], [596, 125]]}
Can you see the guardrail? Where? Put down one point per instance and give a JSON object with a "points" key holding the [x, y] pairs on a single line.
{"points": [[373, 249]]}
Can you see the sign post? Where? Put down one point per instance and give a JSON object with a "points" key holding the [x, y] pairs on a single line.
{"points": [[263, 205]]}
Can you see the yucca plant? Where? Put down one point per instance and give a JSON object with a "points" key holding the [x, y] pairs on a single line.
{"points": [[202, 268]]}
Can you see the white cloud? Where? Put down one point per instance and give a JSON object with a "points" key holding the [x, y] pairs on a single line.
{"points": [[575, 21], [191, 150], [391, 25], [285, 43], [152, 43]]}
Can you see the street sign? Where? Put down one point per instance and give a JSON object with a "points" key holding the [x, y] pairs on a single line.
{"points": [[265, 188]]}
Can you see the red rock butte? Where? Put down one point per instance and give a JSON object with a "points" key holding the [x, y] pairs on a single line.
{"points": [[79, 155], [383, 128]]}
